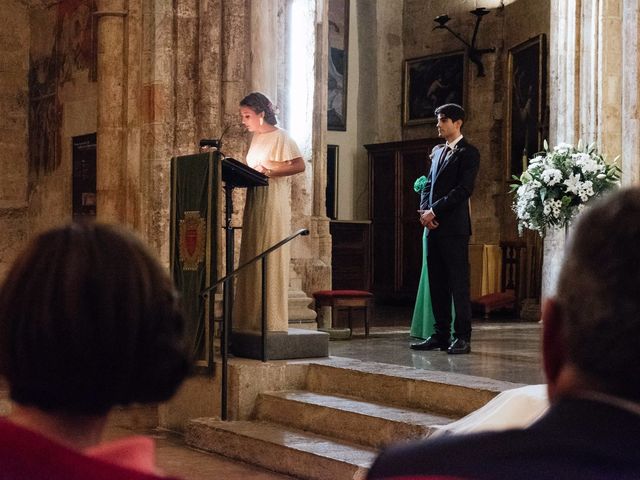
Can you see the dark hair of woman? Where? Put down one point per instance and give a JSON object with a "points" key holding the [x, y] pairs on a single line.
{"points": [[89, 320], [259, 103]]}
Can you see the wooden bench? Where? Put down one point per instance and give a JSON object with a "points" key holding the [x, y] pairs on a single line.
{"points": [[349, 300]]}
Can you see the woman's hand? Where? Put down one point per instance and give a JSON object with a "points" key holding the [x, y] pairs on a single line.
{"points": [[263, 170], [282, 169]]}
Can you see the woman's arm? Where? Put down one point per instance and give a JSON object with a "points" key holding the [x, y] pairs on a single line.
{"points": [[281, 169]]}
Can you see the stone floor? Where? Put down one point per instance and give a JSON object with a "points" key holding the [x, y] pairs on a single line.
{"points": [[506, 350], [188, 464]]}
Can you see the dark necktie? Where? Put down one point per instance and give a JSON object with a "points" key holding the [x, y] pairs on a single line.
{"points": [[445, 152]]}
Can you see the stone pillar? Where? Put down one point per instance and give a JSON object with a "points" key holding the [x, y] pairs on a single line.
{"points": [[271, 74], [630, 68], [135, 212], [157, 121], [610, 73], [586, 92], [312, 256], [585, 73], [110, 183], [266, 54], [14, 94]]}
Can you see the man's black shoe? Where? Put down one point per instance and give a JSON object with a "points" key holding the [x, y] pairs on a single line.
{"points": [[459, 346], [431, 343]]}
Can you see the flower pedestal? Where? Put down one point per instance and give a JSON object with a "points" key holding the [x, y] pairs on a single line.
{"points": [[555, 187], [552, 256]]}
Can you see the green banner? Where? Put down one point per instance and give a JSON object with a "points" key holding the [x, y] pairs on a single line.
{"points": [[195, 180]]}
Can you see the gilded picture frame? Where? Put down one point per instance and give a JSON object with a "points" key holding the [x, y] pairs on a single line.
{"points": [[432, 81], [526, 124]]}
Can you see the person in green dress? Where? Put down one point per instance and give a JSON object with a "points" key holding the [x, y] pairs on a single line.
{"points": [[423, 321]]}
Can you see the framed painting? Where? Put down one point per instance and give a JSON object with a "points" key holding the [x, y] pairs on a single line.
{"points": [[527, 87], [338, 59], [429, 82]]}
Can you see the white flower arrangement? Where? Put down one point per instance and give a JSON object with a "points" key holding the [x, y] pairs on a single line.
{"points": [[558, 183]]}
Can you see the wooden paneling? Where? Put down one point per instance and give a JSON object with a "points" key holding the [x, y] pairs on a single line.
{"points": [[396, 233], [351, 255]]}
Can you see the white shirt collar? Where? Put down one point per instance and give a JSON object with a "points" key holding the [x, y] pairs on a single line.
{"points": [[453, 144]]}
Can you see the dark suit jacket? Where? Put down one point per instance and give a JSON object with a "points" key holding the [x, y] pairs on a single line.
{"points": [[575, 439], [448, 192]]}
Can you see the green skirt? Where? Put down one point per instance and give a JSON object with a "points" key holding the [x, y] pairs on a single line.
{"points": [[423, 321]]}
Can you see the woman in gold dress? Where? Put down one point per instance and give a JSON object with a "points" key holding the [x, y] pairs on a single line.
{"points": [[267, 217]]}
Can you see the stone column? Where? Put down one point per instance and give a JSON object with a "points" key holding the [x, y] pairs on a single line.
{"points": [[630, 68], [157, 121], [311, 257], [265, 54], [135, 214], [14, 95], [586, 89], [111, 188], [270, 75], [270, 58], [610, 73]]}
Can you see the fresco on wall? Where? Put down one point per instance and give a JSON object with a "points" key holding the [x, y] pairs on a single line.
{"points": [[73, 50]]}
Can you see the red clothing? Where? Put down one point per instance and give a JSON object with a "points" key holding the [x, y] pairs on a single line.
{"points": [[25, 454]]}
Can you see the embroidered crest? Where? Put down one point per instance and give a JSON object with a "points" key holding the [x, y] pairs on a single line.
{"points": [[192, 240]]}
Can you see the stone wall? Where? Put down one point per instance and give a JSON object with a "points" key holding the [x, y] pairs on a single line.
{"points": [[48, 96], [380, 43], [62, 105], [14, 64]]}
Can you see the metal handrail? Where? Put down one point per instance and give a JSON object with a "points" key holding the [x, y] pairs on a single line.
{"points": [[228, 301], [302, 231]]}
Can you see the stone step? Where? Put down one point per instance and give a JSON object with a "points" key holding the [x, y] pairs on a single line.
{"points": [[445, 393], [365, 423], [282, 449]]}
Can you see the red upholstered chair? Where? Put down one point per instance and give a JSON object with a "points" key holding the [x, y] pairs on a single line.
{"points": [[346, 299], [509, 297]]}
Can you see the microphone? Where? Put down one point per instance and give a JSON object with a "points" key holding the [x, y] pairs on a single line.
{"points": [[213, 142]]}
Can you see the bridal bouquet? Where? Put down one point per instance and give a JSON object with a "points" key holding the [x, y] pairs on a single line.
{"points": [[558, 183]]}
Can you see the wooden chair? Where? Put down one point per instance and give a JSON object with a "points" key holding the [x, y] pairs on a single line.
{"points": [[508, 299], [349, 300]]}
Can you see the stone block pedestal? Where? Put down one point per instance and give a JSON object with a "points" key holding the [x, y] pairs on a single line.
{"points": [[295, 343]]}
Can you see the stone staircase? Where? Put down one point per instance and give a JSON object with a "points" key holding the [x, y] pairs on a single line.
{"points": [[347, 411]]}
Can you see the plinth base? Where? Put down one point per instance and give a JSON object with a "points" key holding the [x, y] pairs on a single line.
{"points": [[337, 333], [295, 343]]}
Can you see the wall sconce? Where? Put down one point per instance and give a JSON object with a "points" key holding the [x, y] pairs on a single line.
{"points": [[475, 54]]}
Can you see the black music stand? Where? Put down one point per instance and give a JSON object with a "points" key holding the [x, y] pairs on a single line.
{"points": [[235, 174]]}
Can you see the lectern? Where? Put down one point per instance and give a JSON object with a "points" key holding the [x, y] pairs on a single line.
{"points": [[196, 181]]}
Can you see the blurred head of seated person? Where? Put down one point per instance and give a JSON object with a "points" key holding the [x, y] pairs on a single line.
{"points": [[88, 320], [591, 358]]}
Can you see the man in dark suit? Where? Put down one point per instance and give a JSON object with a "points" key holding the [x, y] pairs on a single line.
{"points": [[591, 358], [444, 210]]}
